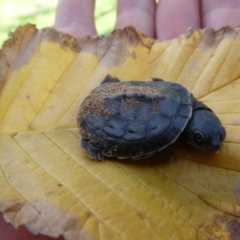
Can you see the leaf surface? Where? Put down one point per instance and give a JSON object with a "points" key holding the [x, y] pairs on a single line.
{"points": [[49, 184]]}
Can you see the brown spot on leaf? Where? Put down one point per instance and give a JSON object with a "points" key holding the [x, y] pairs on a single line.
{"points": [[234, 228], [135, 36], [65, 40], [211, 38], [70, 42], [222, 227], [229, 31], [50, 34]]}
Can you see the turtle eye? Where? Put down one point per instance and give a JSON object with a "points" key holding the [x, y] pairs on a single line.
{"points": [[199, 137]]}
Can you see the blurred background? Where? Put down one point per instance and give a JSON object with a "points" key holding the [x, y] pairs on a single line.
{"points": [[42, 12]]}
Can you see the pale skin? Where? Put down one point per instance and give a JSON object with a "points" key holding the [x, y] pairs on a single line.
{"points": [[164, 21]]}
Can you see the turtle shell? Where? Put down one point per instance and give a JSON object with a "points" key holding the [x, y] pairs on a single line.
{"points": [[134, 119]]}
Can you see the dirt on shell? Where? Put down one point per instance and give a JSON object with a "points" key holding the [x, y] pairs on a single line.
{"points": [[95, 102]]}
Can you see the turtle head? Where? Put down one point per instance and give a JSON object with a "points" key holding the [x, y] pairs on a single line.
{"points": [[204, 130]]}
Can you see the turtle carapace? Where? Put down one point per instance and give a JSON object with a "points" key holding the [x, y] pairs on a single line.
{"points": [[138, 119]]}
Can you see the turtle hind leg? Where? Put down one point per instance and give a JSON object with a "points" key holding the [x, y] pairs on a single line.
{"points": [[167, 151], [91, 152], [110, 79]]}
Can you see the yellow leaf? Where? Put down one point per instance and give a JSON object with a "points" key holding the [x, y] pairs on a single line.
{"points": [[48, 183]]}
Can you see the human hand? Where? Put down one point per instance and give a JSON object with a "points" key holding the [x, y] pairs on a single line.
{"points": [[165, 20]]}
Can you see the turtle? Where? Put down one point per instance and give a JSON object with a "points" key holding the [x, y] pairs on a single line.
{"points": [[139, 119]]}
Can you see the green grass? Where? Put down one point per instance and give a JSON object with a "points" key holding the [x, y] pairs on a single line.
{"points": [[42, 13]]}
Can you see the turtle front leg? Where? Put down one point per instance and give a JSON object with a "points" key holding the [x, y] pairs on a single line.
{"points": [[91, 152], [167, 151]]}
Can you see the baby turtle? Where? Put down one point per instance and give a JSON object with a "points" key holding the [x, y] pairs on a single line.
{"points": [[138, 119]]}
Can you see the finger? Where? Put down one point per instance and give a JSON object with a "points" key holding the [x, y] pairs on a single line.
{"points": [[174, 17], [75, 17], [137, 13], [8, 232], [219, 13]]}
